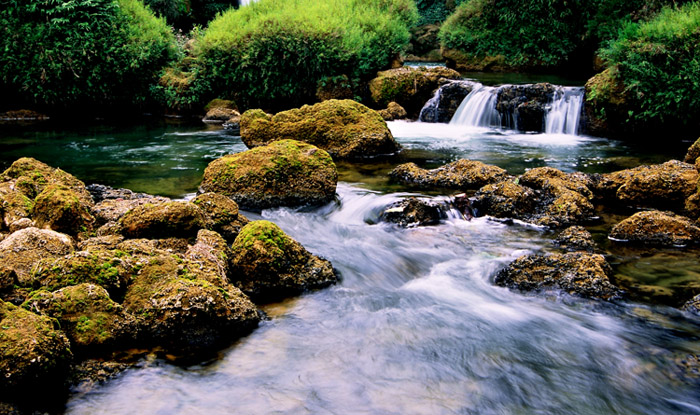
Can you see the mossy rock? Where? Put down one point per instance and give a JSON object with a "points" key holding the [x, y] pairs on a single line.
{"points": [[61, 209], [343, 128], [24, 249], [222, 213], [268, 265], [577, 273], [659, 186], [409, 87], [163, 220], [91, 320], [607, 105], [461, 175], [32, 176], [412, 211], [210, 252], [111, 210], [692, 306], [220, 103], [14, 205], [110, 269], [506, 199], [393, 111], [283, 173], [693, 152], [656, 228], [34, 354], [186, 315], [575, 238]]}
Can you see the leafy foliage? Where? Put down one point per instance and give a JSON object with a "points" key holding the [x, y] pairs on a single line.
{"points": [[91, 53], [184, 14], [435, 11], [274, 53], [659, 63]]}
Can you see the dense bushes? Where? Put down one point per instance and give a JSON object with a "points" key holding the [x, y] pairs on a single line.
{"points": [[274, 54], [541, 33], [80, 54], [435, 11], [658, 62]]}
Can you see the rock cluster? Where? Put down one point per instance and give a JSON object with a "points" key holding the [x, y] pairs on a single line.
{"points": [[144, 272], [461, 174], [343, 128]]}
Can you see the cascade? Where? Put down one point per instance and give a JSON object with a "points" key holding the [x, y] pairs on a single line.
{"points": [[478, 108], [564, 112]]}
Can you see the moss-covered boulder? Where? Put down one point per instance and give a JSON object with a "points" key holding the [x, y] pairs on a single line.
{"points": [[14, 205], [505, 199], [576, 273], [34, 354], [409, 87], [549, 178], [91, 320], [267, 264], [111, 210], [414, 212], [32, 176], [656, 228], [185, 314], [211, 255], [111, 269], [693, 152], [222, 213], [163, 220], [283, 173], [660, 186], [62, 209], [461, 174], [575, 238], [393, 111], [24, 249], [607, 105], [343, 128]]}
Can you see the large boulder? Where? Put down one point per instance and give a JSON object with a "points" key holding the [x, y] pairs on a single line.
{"points": [[409, 87], [506, 199], [656, 228], [24, 249], [112, 209], [62, 209], [283, 173], [660, 186], [222, 213], [34, 355], [577, 273], [343, 128], [185, 314], [461, 174], [32, 177], [91, 320], [267, 264], [163, 220]]}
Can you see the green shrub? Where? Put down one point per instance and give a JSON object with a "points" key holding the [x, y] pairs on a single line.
{"points": [[81, 54], [535, 33], [435, 11], [274, 53], [659, 63]]}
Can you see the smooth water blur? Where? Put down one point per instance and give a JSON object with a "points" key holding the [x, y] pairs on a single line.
{"points": [[416, 326]]}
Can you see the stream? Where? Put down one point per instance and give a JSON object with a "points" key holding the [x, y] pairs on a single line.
{"points": [[416, 326]]}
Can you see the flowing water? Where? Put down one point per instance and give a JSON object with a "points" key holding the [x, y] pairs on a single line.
{"points": [[416, 326]]}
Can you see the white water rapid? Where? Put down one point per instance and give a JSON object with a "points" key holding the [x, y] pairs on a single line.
{"points": [[565, 111], [478, 108]]}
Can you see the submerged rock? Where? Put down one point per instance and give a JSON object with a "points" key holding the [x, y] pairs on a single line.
{"points": [[163, 220], [222, 213], [577, 273], [392, 112], [656, 228], [661, 186], [413, 212], [409, 87], [24, 249], [575, 238], [87, 314], [461, 174], [34, 355], [182, 313], [283, 173], [267, 264], [343, 128]]}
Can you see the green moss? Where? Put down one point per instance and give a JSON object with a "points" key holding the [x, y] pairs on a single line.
{"points": [[264, 232]]}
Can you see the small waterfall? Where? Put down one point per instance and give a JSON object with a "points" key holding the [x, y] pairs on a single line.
{"points": [[429, 110], [564, 112], [479, 108]]}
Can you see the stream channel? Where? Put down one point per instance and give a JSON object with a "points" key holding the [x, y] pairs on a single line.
{"points": [[416, 326]]}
